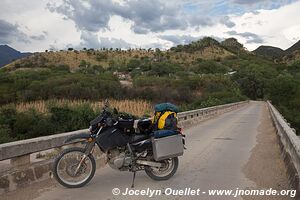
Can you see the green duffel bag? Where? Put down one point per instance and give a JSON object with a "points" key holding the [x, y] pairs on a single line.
{"points": [[162, 107]]}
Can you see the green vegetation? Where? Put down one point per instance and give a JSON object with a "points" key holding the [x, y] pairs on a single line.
{"points": [[28, 124], [179, 75]]}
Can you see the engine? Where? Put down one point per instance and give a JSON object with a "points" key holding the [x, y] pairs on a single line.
{"points": [[118, 159]]}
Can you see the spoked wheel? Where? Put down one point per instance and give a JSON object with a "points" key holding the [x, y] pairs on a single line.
{"points": [[165, 172], [73, 169]]}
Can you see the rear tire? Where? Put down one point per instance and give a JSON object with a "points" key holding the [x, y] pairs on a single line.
{"points": [[163, 174], [61, 155]]}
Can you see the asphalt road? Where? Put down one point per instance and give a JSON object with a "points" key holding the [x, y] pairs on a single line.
{"points": [[235, 150]]}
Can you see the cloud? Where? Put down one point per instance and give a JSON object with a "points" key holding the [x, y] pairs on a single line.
{"points": [[227, 22], [196, 20], [250, 37], [91, 40], [154, 45], [141, 23], [250, 2], [153, 16], [38, 37], [179, 39], [10, 33], [146, 16], [244, 6], [91, 15]]}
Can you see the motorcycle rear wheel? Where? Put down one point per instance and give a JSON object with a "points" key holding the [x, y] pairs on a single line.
{"points": [[164, 173], [67, 164]]}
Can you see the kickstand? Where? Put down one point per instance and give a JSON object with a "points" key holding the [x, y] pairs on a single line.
{"points": [[132, 186]]}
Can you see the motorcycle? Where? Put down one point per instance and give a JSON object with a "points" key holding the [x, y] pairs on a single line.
{"points": [[129, 145]]}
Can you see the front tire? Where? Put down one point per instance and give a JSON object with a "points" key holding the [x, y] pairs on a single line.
{"points": [[64, 164], [164, 173]]}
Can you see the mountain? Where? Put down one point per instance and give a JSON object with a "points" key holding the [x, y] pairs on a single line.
{"points": [[269, 52], [206, 48], [293, 48], [232, 45], [8, 54], [198, 45], [287, 56]]}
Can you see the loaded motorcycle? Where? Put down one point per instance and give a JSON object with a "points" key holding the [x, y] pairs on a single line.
{"points": [[129, 145]]}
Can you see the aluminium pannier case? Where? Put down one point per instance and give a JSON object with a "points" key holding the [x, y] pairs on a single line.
{"points": [[167, 147]]}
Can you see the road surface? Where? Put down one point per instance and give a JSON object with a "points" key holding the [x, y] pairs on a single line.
{"points": [[238, 149]]}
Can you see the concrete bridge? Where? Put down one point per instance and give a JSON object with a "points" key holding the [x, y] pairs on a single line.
{"points": [[240, 146]]}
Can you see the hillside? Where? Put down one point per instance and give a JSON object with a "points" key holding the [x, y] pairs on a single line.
{"points": [[287, 56], [233, 45], [200, 74], [207, 49], [293, 48], [8, 54], [291, 57], [269, 52]]}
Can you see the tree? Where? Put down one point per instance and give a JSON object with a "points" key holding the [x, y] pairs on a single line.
{"points": [[252, 79], [282, 89]]}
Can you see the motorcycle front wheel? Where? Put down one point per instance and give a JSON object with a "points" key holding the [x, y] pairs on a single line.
{"points": [[73, 169], [163, 173]]}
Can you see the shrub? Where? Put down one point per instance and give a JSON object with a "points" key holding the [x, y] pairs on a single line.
{"points": [[31, 124], [8, 117], [69, 119], [5, 135]]}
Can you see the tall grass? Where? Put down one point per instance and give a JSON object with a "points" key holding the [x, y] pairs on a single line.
{"points": [[135, 107]]}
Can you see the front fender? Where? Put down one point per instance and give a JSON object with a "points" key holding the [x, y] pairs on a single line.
{"points": [[77, 137]]}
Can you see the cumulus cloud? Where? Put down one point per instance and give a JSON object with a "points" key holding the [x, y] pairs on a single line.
{"points": [[146, 23], [227, 22], [147, 16], [250, 37], [154, 16], [10, 32], [38, 37], [179, 39], [250, 2], [92, 40], [197, 21], [91, 15]]}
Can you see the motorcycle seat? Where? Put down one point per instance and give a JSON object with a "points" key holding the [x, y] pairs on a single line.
{"points": [[138, 138]]}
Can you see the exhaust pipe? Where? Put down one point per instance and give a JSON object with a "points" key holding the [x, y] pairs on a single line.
{"points": [[149, 163]]}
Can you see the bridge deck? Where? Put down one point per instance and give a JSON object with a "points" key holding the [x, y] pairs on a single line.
{"points": [[238, 149]]}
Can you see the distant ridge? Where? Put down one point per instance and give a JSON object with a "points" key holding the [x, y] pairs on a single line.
{"points": [[8, 54], [293, 48], [269, 51], [277, 53], [206, 48]]}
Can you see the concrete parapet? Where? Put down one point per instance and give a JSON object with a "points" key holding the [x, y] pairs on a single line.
{"points": [[290, 146]]}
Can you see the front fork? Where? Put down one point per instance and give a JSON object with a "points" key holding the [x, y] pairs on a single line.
{"points": [[89, 149]]}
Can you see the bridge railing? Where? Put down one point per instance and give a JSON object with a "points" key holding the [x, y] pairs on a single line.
{"points": [[290, 145], [19, 153]]}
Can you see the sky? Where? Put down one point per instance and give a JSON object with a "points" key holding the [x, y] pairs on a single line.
{"points": [[39, 25]]}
